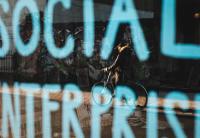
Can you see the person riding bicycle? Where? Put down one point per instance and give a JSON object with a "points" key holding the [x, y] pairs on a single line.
{"points": [[122, 68]]}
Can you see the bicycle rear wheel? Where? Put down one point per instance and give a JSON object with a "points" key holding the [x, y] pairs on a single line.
{"points": [[102, 96], [142, 95]]}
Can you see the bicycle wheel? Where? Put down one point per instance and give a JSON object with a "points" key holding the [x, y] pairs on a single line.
{"points": [[142, 95], [103, 95]]}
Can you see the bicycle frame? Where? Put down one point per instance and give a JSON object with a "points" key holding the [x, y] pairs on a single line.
{"points": [[108, 78]]}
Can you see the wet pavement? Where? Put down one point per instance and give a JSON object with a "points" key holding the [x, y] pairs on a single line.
{"points": [[138, 124]]}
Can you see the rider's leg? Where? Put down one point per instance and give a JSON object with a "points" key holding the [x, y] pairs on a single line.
{"points": [[138, 110]]}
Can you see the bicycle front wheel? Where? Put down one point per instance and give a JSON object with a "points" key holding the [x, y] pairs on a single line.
{"points": [[102, 93]]}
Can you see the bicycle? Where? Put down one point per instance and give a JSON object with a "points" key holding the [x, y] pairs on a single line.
{"points": [[107, 84]]}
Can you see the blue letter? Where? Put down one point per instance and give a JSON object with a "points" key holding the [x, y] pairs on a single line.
{"points": [[48, 106], [3, 32], [152, 116], [69, 116], [49, 39], [168, 35], [26, 49], [171, 99], [8, 112], [129, 15], [98, 109], [30, 89], [122, 112], [89, 27]]}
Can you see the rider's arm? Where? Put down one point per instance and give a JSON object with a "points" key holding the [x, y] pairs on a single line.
{"points": [[115, 64]]}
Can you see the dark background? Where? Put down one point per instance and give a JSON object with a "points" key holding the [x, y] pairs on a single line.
{"points": [[165, 72]]}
